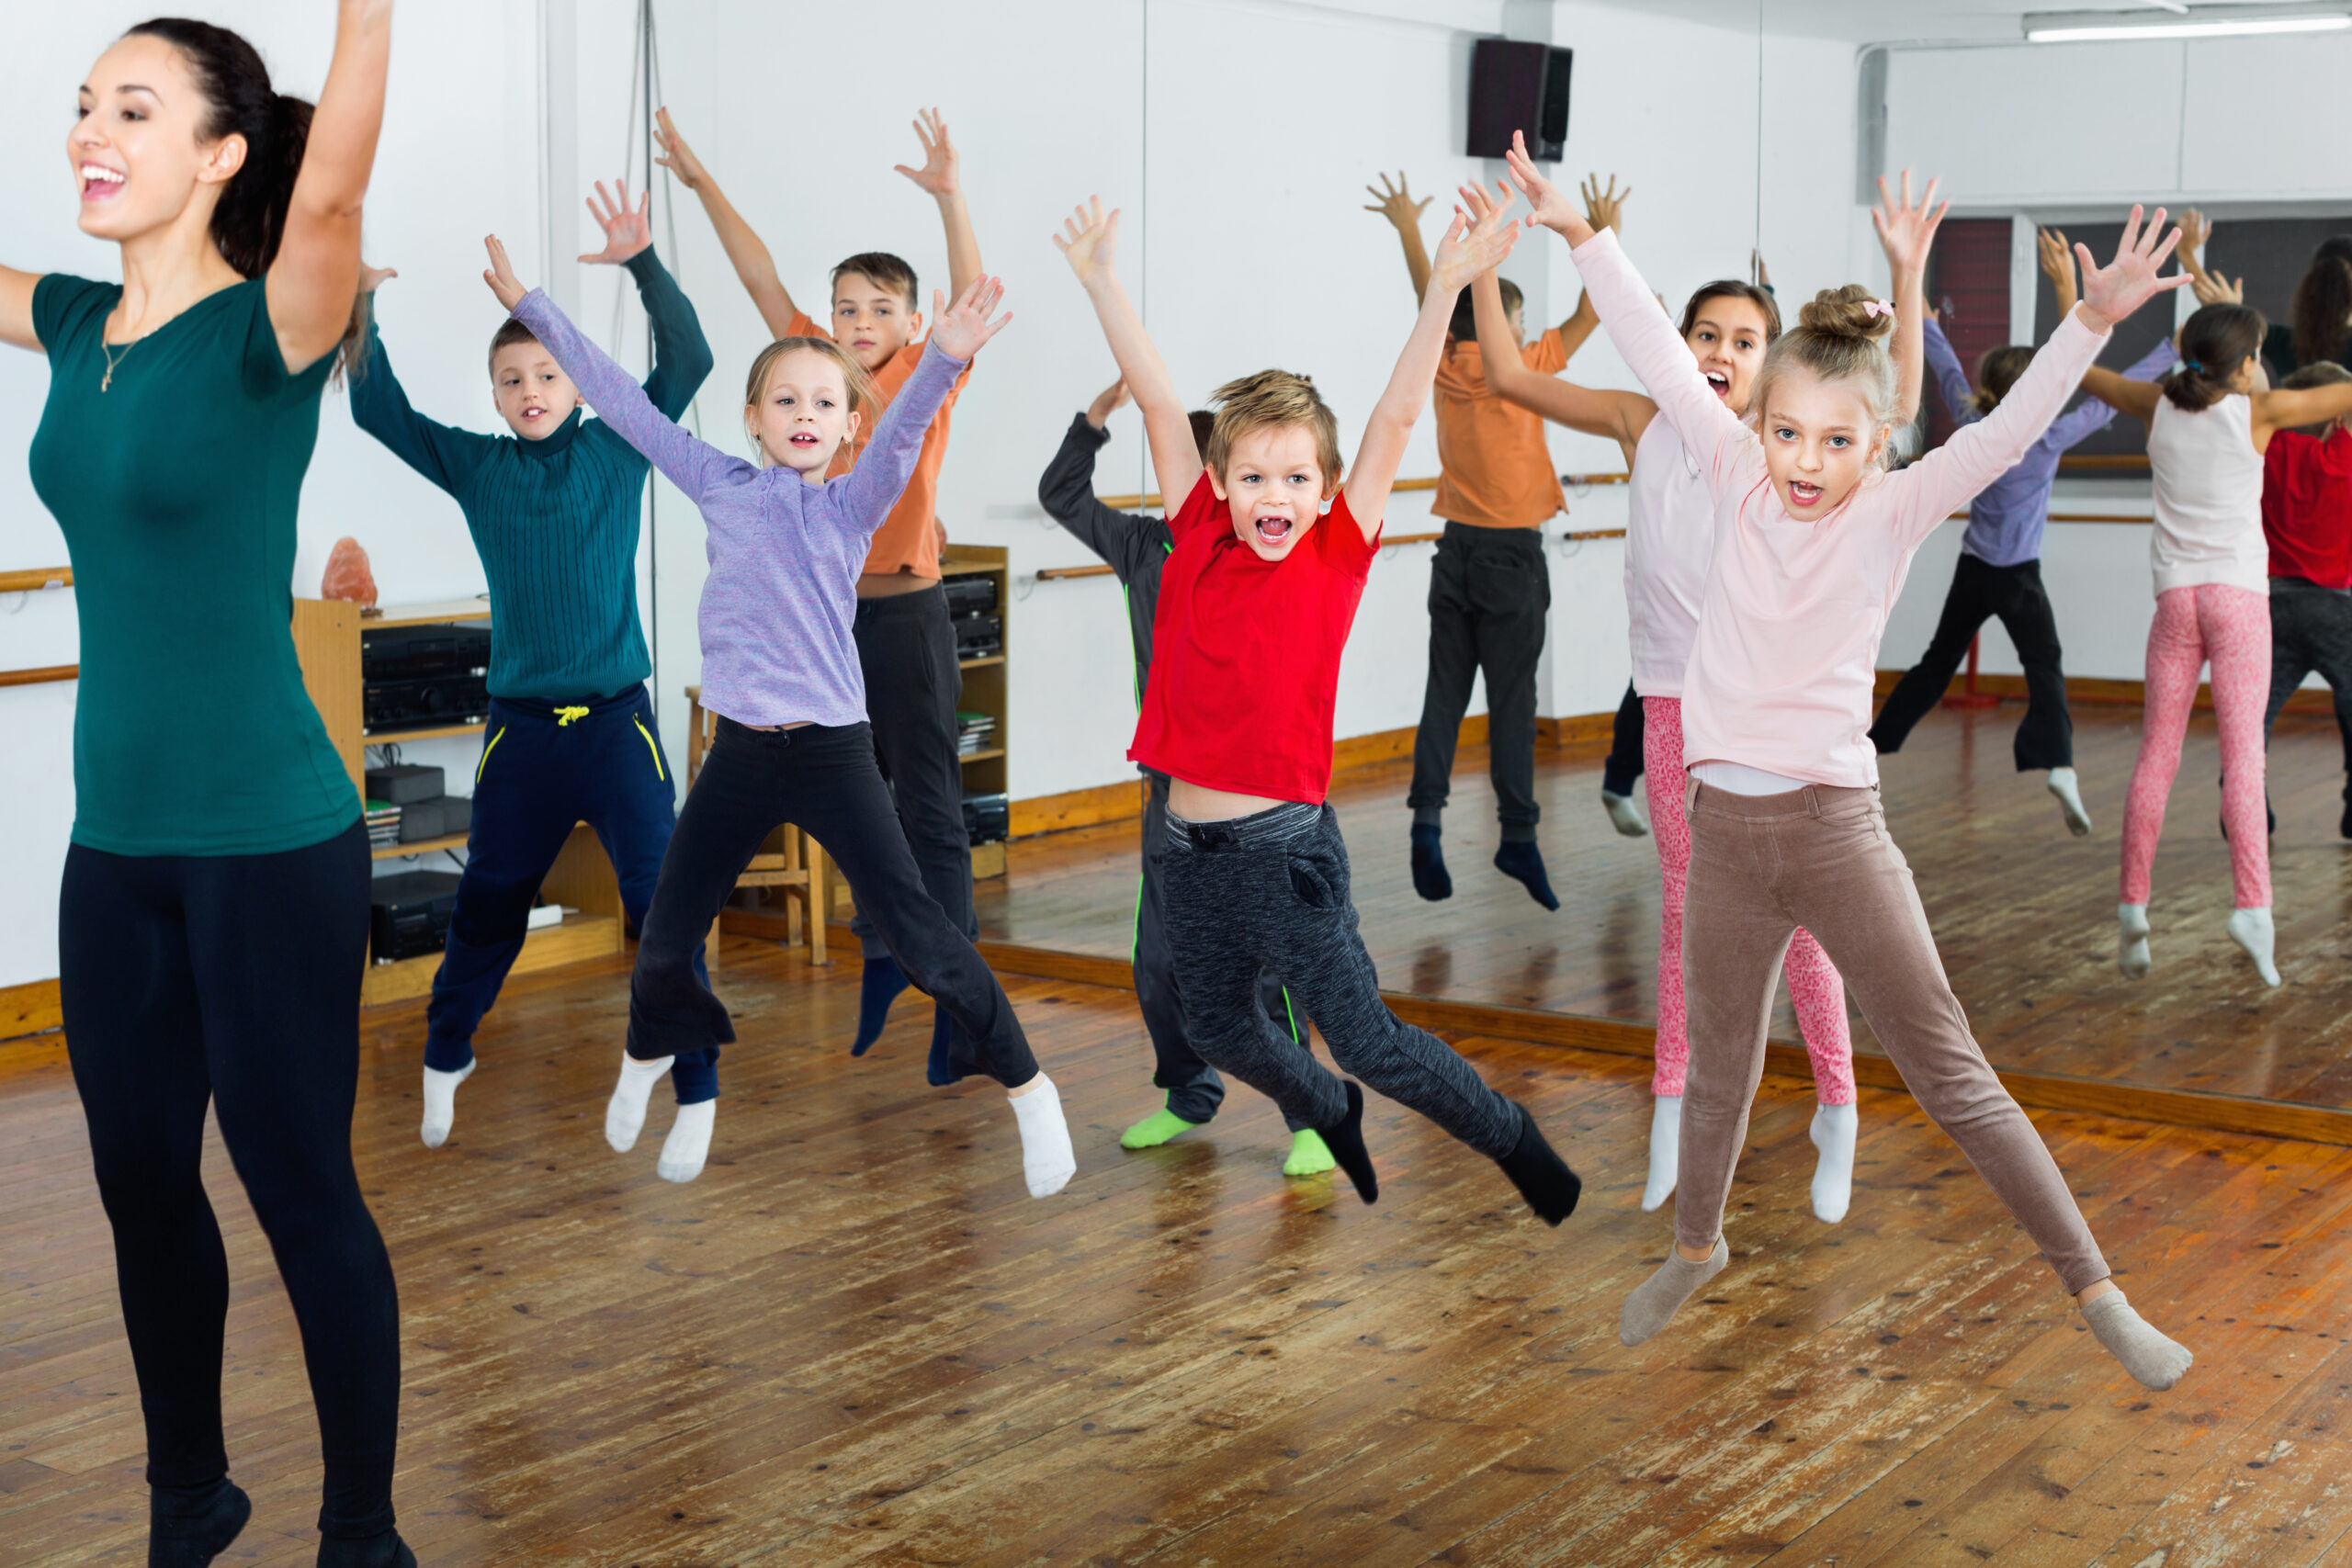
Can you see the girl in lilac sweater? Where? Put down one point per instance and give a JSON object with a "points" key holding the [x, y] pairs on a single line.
{"points": [[780, 669]]}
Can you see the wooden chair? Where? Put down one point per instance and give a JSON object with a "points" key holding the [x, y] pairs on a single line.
{"points": [[790, 861]]}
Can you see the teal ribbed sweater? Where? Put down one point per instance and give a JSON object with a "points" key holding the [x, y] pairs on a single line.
{"points": [[555, 520]]}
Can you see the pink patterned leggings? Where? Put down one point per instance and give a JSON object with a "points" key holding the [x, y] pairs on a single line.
{"points": [[1819, 995], [2229, 627]]}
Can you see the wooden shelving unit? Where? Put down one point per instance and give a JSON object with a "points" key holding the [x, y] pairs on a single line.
{"points": [[326, 642], [986, 687]]}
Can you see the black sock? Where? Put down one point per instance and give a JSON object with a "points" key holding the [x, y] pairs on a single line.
{"points": [[385, 1551], [882, 983], [1520, 858], [941, 1069], [1430, 878], [1344, 1138], [187, 1526], [1542, 1176]]}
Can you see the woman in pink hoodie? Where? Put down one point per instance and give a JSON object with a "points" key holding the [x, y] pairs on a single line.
{"points": [[1813, 541]]}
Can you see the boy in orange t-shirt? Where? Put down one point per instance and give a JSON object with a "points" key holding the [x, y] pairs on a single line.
{"points": [[1490, 590], [906, 642]]}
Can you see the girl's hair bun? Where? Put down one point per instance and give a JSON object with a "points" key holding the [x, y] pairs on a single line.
{"points": [[1852, 312]]}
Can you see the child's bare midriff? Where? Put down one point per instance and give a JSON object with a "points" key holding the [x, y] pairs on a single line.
{"points": [[1198, 802]]}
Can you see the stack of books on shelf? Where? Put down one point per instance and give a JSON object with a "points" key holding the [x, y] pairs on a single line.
{"points": [[973, 732], [383, 824]]}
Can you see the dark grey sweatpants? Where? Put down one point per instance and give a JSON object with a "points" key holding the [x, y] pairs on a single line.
{"points": [[1270, 891]]}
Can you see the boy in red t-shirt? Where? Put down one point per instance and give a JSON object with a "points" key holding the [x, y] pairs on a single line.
{"points": [[2307, 517], [906, 642], [1255, 604]]}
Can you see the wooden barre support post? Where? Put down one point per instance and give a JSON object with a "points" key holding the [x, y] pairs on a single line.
{"points": [[40, 677], [34, 581]]}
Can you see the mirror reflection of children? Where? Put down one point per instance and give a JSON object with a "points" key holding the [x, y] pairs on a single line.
{"points": [[1999, 572], [1812, 539], [2211, 424], [1490, 584], [1272, 547]]}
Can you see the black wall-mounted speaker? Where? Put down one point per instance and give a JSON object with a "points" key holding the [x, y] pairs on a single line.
{"points": [[1519, 87]]}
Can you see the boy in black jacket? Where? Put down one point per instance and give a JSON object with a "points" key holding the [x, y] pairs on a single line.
{"points": [[1135, 546]]}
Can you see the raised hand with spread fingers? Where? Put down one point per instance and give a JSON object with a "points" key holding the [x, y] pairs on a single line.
{"points": [[627, 229]]}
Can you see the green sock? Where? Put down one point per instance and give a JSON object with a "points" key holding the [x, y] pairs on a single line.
{"points": [[1155, 1130], [1309, 1155]]}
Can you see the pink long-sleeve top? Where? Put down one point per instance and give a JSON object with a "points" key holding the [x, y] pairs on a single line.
{"points": [[1781, 673]]}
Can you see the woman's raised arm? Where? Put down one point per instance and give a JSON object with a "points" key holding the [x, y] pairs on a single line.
{"points": [[315, 276]]}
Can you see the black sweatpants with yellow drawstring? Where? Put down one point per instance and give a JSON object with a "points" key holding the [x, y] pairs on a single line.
{"points": [[544, 768]]}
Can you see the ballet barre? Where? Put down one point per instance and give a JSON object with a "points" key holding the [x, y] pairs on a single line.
{"points": [[34, 581]]}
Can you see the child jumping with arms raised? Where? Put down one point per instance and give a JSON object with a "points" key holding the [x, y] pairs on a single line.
{"points": [[780, 669], [1812, 540], [1255, 606]]}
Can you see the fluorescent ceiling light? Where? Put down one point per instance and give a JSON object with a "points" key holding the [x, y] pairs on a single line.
{"points": [[2191, 29], [2081, 26]]}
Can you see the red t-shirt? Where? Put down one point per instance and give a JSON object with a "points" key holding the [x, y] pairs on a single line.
{"points": [[2307, 507], [1245, 664]]}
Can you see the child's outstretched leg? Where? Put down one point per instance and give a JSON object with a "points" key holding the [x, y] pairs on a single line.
{"points": [[835, 791], [674, 1019], [2175, 654], [2234, 624], [1191, 1090], [1662, 771], [1630, 753], [1846, 879], [1819, 997], [1303, 906]]}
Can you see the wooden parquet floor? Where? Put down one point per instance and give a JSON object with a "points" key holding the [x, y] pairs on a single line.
{"points": [[2023, 912], [856, 1341]]}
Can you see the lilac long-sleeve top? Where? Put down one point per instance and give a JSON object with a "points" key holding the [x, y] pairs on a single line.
{"points": [[2005, 522], [779, 604]]}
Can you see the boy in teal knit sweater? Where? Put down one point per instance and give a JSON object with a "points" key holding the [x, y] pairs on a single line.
{"points": [[554, 509]]}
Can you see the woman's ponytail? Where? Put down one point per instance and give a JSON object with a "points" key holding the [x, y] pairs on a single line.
{"points": [[250, 217], [2322, 306]]}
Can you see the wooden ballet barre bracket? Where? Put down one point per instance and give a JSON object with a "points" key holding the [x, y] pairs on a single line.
{"points": [[37, 578]]}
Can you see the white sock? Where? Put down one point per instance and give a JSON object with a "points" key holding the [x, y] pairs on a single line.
{"points": [[1835, 1128], [1623, 815], [2155, 1359], [624, 1112], [1046, 1157], [2252, 930], [441, 1102], [688, 1145], [1665, 1150], [2131, 940], [2070, 800]]}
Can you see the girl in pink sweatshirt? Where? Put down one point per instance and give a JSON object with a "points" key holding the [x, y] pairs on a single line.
{"points": [[1813, 541]]}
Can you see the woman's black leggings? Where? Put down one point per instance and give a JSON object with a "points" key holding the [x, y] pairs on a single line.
{"points": [[233, 980]]}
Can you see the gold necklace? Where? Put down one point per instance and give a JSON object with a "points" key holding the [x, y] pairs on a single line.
{"points": [[108, 349]]}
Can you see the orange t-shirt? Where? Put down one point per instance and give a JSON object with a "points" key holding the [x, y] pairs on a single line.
{"points": [[906, 540], [1494, 469]]}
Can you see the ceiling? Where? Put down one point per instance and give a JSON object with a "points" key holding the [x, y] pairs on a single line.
{"points": [[1891, 22]]}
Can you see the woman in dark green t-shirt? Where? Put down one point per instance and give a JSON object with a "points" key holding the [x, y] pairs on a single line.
{"points": [[213, 922]]}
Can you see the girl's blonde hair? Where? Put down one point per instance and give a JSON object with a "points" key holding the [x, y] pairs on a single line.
{"points": [[1836, 337], [855, 380]]}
